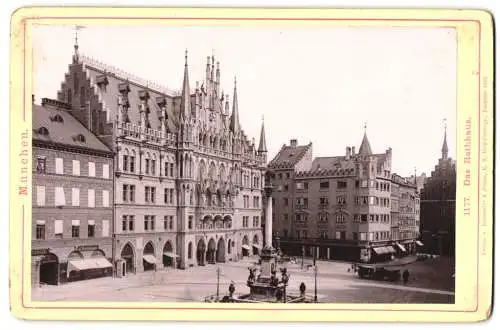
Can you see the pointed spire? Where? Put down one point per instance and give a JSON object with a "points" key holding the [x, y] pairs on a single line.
{"points": [[262, 142], [75, 46], [365, 148], [444, 149], [235, 121], [186, 94]]}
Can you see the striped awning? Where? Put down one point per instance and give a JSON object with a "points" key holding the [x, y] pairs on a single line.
{"points": [[170, 255], [149, 258], [401, 247]]}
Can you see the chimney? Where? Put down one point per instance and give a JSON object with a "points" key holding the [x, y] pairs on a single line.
{"points": [[353, 150], [293, 142], [347, 153]]}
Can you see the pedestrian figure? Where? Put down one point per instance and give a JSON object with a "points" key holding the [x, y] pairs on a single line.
{"points": [[406, 275], [302, 289]]}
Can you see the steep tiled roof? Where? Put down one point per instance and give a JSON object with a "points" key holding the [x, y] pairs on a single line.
{"points": [[288, 156], [365, 148], [109, 97], [63, 129], [329, 163]]}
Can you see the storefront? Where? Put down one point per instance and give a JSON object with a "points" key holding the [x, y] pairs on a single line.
{"points": [[45, 267], [383, 253], [87, 262]]}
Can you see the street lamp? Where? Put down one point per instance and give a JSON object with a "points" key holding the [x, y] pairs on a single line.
{"points": [[315, 284]]}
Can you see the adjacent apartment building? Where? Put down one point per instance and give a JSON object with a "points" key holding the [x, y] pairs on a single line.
{"points": [[188, 180], [72, 207], [342, 207]]}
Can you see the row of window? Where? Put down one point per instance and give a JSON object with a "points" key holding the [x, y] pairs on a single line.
{"points": [[128, 165], [41, 167], [342, 235], [128, 222], [323, 185], [255, 222], [246, 201], [60, 197], [246, 181], [76, 227], [371, 200], [382, 218]]}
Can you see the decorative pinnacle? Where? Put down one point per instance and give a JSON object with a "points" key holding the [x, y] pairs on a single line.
{"points": [[77, 28], [186, 57], [365, 126]]}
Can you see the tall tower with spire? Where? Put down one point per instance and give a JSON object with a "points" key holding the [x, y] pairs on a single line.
{"points": [[262, 150]]}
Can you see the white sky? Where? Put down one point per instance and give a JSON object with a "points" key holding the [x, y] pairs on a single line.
{"points": [[313, 84]]}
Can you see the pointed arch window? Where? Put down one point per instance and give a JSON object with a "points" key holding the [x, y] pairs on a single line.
{"points": [[82, 96]]}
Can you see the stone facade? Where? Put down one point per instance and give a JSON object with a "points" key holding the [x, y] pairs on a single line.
{"points": [[188, 181], [438, 207], [335, 207]]}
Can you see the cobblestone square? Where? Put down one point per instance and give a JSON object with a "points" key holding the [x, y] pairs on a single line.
{"points": [[430, 282]]}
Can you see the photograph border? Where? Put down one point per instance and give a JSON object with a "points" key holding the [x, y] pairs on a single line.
{"points": [[474, 29]]}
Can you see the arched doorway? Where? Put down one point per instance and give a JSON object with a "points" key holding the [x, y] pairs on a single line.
{"points": [[255, 245], [245, 248], [49, 269], [221, 250], [169, 256], [128, 255], [148, 260], [200, 253], [211, 251]]}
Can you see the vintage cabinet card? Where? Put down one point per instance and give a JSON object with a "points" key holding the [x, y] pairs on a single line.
{"points": [[251, 164]]}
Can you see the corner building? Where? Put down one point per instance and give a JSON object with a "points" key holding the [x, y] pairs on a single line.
{"points": [[188, 180], [72, 207], [334, 207]]}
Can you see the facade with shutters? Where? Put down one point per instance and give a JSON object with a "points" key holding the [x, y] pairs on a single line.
{"points": [[341, 207], [72, 207]]}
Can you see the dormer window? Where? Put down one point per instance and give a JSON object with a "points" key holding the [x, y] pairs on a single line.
{"points": [[80, 138], [102, 82], [43, 131], [57, 118]]}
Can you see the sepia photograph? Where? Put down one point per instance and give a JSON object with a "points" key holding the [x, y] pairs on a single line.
{"points": [[184, 163]]}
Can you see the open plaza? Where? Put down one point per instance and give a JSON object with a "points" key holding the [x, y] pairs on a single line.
{"points": [[431, 281]]}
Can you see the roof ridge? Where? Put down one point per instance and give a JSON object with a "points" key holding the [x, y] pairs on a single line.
{"points": [[142, 82]]}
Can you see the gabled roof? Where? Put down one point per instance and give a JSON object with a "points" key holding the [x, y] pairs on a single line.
{"points": [[289, 156], [63, 129], [330, 163]]}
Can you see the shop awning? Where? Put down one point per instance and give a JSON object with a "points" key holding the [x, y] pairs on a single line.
{"points": [[384, 249], [402, 248], [246, 247], [390, 249], [256, 246], [79, 264], [170, 255], [419, 243], [149, 258]]}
